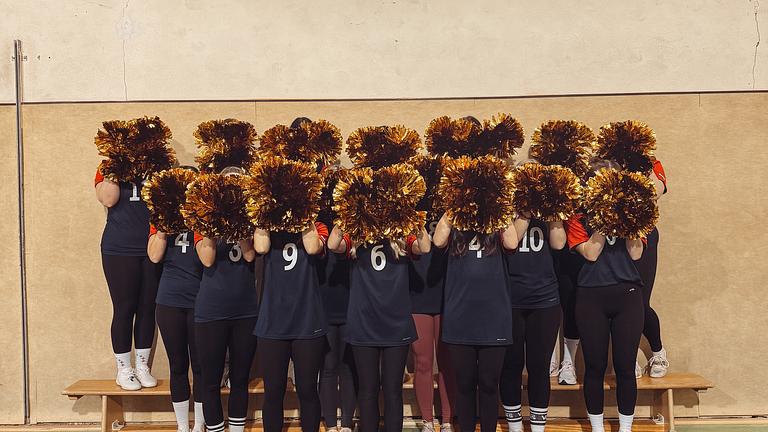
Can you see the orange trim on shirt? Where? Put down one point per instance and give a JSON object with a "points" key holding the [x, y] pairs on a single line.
{"points": [[99, 176], [658, 169], [409, 241], [152, 230], [575, 231]]}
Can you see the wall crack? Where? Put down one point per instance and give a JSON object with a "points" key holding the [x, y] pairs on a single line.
{"points": [[757, 44], [125, 27]]}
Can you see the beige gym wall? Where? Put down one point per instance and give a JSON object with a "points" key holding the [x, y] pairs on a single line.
{"points": [[709, 291], [11, 357]]}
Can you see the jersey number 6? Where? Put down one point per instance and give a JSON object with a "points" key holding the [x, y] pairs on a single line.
{"points": [[378, 259]]}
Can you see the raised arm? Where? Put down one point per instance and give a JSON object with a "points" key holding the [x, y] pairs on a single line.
{"points": [[557, 236], [156, 246], [442, 232], [261, 242], [336, 241], [246, 246], [509, 237], [206, 251], [635, 248], [521, 226], [310, 237], [593, 247], [107, 192], [422, 245]]}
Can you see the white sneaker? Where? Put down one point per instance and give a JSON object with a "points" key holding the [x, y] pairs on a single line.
{"points": [[427, 426], [225, 376], [446, 427], [554, 368], [126, 379], [658, 365], [638, 370], [346, 429], [567, 374], [182, 429], [198, 429], [144, 376]]}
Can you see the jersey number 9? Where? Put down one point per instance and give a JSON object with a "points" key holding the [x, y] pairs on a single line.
{"points": [[290, 255]]}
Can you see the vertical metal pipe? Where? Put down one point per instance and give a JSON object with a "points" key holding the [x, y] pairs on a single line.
{"points": [[18, 57]]}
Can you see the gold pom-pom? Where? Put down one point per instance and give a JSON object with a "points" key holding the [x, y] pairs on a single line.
{"points": [[216, 207], [165, 195], [283, 195], [477, 194], [453, 138], [631, 143], [376, 205], [225, 143], [563, 142], [380, 146], [548, 193], [310, 142], [621, 204], [502, 135], [431, 169], [135, 148], [331, 177]]}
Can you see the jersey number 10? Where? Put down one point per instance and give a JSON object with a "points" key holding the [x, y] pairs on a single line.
{"points": [[532, 241]]}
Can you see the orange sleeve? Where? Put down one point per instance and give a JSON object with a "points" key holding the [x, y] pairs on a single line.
{"points": [[197, 237], [152, 230], [409, 241], [348, 241], [99, 176], [322, 231], [575, 231], [658, 169]]}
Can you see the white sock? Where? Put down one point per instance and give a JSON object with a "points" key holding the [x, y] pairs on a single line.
{"points": [[569, 350], [123, 360], [596, 420], [662, 353], [199, 419], [142, 356], [538, 419], [236, 424], [181, 409], [553, 360], [625, 422], [216, 428], [514, 417]]}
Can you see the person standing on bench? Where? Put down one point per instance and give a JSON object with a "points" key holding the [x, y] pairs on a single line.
{"points": [[609, 308], [477, 317], [379, 323], [646, 266], [226, 310], [536, 317], [132, 278], [175, 314], [292, 323]]}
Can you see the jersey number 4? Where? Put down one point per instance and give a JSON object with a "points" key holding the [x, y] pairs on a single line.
{"points": [[182, 242]]}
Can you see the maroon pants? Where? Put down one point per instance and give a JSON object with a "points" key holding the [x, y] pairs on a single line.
{"points": [[428, 329]]}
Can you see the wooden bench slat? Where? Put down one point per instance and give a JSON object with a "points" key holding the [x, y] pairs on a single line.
{"points": [[109, 388]]}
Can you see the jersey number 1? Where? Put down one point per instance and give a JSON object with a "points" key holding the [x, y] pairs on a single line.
{"points": [[135, 194]]}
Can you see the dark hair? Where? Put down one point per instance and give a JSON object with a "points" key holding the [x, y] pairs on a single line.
{"points": [[596, 164], [489, 243], [298, 121], [190, 168], [472, 119]]}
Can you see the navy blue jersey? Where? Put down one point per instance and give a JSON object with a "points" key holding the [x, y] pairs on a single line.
{"points": [[613, 266], [182, 271], [125, 232], [228, 287], [379, 312], [291, 306], [532, 277], [477, 309], [333, 274], [426, 275]]}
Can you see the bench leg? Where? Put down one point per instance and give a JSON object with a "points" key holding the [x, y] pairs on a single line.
{"points": [[111, 412], [671, 410], [664, 409]]}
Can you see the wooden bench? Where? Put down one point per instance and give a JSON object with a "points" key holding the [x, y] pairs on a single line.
{"points": [[112, 396]]}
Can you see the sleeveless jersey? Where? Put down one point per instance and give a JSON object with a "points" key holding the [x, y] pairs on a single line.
{"points": [[182, 271], [125, 232], [532, 278]]}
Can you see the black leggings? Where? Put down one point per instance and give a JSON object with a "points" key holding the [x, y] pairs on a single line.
{"points": [[338, 373], [477, 368], [132, 282], [646, 266], [612, 313], [380, 368], [213, 339], [178, 331], [568, 267], [534, 336], [274, 356]]}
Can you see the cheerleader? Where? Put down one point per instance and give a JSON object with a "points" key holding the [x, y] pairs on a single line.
{"points": [[477, 317], [658, 364], [174, 313], [337, 380], [292, 322], [609, 308], [379, 323], [226, 310], [131, 277], [426, 279]]}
